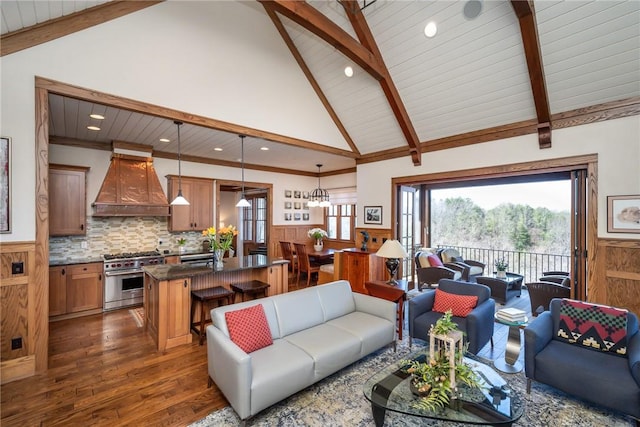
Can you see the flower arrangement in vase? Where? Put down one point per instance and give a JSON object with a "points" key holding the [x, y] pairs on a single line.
{"points": [[317, 234], [220, 241], [436, 379], [501, 265]]}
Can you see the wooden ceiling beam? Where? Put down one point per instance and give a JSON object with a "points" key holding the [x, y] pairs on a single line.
{"points": [[307, 72], [360, 26], [525, 12], [312, 20], [52, 29]]}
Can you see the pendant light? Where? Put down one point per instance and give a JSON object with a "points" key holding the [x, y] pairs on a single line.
{"points": [[179, 200], [319, 196], [243, 202]]}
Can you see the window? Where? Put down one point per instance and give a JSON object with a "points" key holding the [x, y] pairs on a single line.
{"points": [[254, 223], [341, 221]]}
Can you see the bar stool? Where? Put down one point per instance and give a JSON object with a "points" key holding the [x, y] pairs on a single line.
{"points": [[206, 296], [251, 288]]}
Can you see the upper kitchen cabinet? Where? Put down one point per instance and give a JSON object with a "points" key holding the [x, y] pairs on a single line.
{"points": [[67, 200], [198, 215]]}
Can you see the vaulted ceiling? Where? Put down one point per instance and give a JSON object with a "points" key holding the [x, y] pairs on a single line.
{"points": [[494, 69]]}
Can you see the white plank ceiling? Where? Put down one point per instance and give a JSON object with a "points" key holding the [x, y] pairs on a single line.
{"points": [[471, 76]]}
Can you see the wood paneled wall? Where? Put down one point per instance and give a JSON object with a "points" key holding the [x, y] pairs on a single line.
{"points": [[617, 281], [298, 233], [24, 313]]}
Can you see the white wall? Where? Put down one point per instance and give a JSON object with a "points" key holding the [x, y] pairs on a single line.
{"points": [[155, 56], [616, 142]]}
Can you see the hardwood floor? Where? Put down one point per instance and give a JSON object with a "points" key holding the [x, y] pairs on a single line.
{"points": [[104, 371]]}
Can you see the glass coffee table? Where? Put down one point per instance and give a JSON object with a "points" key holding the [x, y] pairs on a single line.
{"points": [[494, 403]]}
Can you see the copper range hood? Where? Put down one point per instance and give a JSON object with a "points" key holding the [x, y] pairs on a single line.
{"points": [[131, 186]]}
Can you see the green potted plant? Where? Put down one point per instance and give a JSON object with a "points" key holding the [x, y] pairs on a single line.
{"points": [[181, 242], [431, 379], [501, 265]]}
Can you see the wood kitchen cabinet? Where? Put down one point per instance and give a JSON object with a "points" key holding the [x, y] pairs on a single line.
{"points": [[75, 290], [359, 267], [196, 216], [167, 307], [67, 200]]}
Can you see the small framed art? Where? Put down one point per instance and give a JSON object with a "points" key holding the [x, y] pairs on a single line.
{"points": [[5, 176], [623, 214], [373, 215]]}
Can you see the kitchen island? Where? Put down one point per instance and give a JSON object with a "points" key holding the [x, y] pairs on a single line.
{"points": [[167, 291]]}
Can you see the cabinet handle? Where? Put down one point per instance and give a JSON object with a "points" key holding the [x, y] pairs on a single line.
{"points": [[185, 283], [63, 272], [81, 226], [100, 277]]}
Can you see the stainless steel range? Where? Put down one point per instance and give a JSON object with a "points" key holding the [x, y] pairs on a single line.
{"points": [[123, 274]]}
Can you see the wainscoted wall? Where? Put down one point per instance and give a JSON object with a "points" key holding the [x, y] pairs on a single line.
{"points": [[121, 234], [617, 280], [24, 315]]}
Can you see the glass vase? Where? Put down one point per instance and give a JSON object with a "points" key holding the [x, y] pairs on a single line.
{"points": [[217, 263]]}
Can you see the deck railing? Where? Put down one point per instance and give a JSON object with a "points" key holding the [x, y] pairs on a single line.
{"points": [[529, 264]]}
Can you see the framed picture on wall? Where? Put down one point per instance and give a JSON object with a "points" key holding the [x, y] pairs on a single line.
{"points": [[287, 205], [373, 215], [5, 176], [623, 214], [297, 217], [305, 217], [287, 194], [297, 194]]}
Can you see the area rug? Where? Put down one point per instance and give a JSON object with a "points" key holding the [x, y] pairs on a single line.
{"points": [[138, 316], [338, 400]]}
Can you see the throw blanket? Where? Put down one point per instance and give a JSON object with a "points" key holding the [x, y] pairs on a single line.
{"points": [[594, 326]]}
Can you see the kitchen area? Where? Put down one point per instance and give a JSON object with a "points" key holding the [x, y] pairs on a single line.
{"points": [[98, 250]]}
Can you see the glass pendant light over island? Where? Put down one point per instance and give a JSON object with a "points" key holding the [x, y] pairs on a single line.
{"points": [[319, 197], [242, 203], [179, 200]]}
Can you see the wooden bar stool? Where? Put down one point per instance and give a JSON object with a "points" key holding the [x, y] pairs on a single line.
{"points": [[219, 294], [251, 288]]}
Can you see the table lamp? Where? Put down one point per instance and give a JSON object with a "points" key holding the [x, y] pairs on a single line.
{"points": [[393, 251]]}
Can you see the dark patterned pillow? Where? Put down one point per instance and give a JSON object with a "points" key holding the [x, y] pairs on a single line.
{"points": [[594, 326]]}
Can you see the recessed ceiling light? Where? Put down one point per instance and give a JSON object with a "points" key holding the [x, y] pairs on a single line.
{"points": [[217, 149], [264, 148], [348, 71], [430, 29], [93, 128], [97, 116], [165, 140], [472, 9]]}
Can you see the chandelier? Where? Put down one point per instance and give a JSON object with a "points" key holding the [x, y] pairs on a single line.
{"points": [[179, 200], [242, 203], [319, 196]]}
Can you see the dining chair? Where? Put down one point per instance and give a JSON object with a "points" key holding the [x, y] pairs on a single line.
{"points": [[287, 253], [304, 264]]}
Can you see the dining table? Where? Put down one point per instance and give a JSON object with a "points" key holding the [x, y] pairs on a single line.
{"points": [[324, 256]]}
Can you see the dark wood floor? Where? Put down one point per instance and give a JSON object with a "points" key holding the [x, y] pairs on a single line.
{"points": [[104, 371]]}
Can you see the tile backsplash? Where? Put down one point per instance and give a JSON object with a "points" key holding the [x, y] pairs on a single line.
{"points": [[111, 235]]}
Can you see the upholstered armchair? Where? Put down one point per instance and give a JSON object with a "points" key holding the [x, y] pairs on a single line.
{"points": [[565, 348], [430, 269], [473, 268], [477, 324]]}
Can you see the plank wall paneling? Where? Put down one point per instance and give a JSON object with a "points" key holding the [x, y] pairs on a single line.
{"points": [[618, 281], [22, 315]]}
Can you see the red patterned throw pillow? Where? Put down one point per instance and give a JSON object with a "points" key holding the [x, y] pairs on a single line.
{"points": [[594, 326], [434, 261], [460, 305], [248, 328]]}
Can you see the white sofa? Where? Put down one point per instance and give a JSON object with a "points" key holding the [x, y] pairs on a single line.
{"points": [[316, 331]]}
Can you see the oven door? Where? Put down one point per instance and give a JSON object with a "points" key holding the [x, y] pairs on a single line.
{"points": [[123, 289]]}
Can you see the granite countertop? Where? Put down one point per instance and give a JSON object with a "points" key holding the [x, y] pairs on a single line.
{"points": [[179, 271], [60, 262]]}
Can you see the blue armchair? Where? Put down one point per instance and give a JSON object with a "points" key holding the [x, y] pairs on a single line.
{"points": [[603, 378], [478, 325]]}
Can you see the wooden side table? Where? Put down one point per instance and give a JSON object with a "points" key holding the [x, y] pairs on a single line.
{"points": [[251, 288], [397, 294], [205, 297]]}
